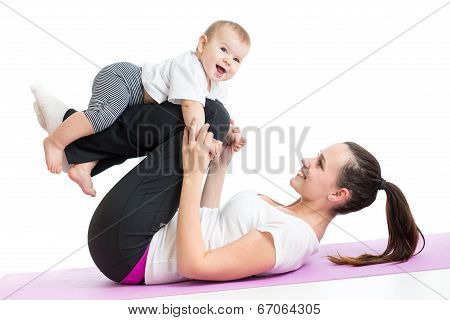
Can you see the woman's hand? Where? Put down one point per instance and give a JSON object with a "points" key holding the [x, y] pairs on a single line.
{"points": [[196, 151]]}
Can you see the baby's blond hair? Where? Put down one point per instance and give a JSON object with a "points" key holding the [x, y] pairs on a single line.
{"points": [[212, 29]]}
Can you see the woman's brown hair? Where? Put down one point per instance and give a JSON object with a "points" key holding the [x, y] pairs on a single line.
{"points": [[362, 177]]}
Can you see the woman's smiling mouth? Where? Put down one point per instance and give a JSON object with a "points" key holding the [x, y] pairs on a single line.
{"points": [[301, 174]]}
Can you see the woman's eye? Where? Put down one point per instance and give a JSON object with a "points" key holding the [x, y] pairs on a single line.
{"points": [[223, 49], [318, 161]]}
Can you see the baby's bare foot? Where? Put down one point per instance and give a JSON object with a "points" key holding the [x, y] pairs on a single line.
{"points": [[81, 174], [53, 155]]}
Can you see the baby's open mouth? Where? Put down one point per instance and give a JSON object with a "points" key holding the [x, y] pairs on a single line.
{"points": [[220, 69]]}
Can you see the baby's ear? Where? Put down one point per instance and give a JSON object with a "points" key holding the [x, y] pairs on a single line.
{"points": [[202, 43]]}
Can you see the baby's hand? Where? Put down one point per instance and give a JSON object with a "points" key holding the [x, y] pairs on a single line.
{"points": [[234, 138]]}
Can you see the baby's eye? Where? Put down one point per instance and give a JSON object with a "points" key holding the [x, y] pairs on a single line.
{"points": [[237, 60], [223, 49]]}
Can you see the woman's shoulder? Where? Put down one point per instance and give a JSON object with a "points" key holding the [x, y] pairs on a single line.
{"points": [[250, 193], [269, 200], [243, 195]]}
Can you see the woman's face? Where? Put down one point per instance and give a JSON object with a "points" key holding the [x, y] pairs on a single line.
{"points": [[316, 180]]}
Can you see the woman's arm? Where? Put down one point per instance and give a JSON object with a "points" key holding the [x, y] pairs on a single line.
{"points": [[251, 254], [189, 242], [212, 189], [189, 239], [218, 169]]}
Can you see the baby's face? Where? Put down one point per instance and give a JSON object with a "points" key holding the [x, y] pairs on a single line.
{"points": [[222, 54]]}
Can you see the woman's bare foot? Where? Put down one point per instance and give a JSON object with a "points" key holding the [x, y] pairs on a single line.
{"points": [[53, 155], [81, 174]]}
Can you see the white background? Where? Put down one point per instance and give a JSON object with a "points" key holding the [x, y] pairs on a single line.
{"points": [[395, 103]]}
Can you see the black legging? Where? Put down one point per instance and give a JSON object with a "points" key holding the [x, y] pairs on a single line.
{"points": [[148, 196]]}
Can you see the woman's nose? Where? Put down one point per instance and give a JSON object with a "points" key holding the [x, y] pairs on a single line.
{"points": [[306, 162]]}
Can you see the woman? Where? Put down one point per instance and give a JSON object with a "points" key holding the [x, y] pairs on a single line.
{"points": [[248, 235], [343, 178]]}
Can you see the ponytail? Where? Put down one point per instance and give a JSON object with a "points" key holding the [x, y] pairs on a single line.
{"points": [[364, 175]]}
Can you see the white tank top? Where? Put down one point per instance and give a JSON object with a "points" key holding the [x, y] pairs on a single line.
{"points": [[294, 239]]}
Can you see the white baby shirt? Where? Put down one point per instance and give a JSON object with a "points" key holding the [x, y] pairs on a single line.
{"points": [[294, 239], [182, 77]]}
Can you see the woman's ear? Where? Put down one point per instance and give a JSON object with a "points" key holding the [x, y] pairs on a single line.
{"points": [[202, 43], [339, 195]]}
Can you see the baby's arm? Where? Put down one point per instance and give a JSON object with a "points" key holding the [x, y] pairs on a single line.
{"points": [[193, 109]]}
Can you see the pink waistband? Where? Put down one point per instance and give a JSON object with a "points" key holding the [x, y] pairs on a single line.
{"points": [[138, 273]]}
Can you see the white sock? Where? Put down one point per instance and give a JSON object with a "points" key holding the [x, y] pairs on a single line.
{"points": [[39, 115], [50, 113], [52, 110]]}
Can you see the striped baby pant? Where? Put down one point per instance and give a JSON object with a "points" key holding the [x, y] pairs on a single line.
{"points": [[115, 87]]}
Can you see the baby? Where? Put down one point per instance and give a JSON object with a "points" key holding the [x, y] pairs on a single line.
{"points": [[186, 80]]}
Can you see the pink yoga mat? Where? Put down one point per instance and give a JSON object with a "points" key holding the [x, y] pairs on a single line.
{"points": [[89, 283]]}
